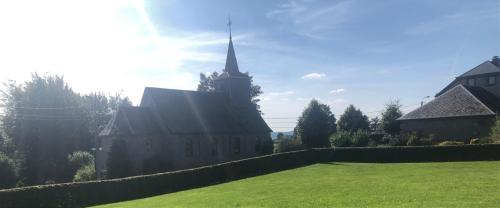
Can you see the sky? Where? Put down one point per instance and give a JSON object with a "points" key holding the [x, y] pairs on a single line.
{"points": [[359, 52]]}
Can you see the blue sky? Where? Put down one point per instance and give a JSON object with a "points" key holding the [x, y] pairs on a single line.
{"points": [[357, 52]]}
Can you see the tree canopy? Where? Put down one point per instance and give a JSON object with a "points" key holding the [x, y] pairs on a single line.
{"points": [[353, 120], [392, 112], [316, 124], [206, 84]]}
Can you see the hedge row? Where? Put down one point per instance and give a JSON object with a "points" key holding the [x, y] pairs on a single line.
{"points": [[107, 191], [417, 153]]}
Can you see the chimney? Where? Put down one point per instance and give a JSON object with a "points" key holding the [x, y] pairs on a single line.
{"points": [[496, 60]]}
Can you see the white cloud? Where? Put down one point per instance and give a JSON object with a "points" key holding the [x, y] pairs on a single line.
{"points": [[335, 91], [282, 95], [314, 76]]}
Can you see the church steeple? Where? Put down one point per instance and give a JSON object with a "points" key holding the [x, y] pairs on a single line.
{"points": [[231, 63]]}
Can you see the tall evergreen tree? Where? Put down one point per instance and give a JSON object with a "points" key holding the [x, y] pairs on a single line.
{"points": [[353, 120], [392, 112], [316, 124]]}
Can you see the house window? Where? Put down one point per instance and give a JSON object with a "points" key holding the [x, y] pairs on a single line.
{"points": [[189, 148], [237, 146], [471, 82], [215, 149], [492, 80], [149, 144]]}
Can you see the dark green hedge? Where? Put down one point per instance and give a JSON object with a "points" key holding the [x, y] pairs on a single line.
{"points": [[100, 192], [417, 153], [107, 191]]}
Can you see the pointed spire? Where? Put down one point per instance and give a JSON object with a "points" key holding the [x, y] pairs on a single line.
{"points": [[231, 63]]}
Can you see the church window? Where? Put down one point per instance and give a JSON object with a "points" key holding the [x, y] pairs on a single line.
{"points": [[237, 145], [492, 80], [189, 148]]}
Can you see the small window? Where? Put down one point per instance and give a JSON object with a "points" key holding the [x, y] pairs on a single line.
{"points": [[215, 148], [492, 80], [189, 148], [471, 82], [237, 146]]}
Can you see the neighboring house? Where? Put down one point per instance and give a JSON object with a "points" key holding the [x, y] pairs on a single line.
{"points": [[463, 110], [179, 129]]}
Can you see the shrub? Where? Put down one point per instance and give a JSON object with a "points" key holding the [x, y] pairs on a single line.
{"points": [[413, 140], [396, 140], [7, 172], [85, 173], [287, 145], [341, 139], [446, 143], [80, 159], [360, 138]]}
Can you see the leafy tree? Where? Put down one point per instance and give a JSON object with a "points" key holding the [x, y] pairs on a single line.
{"points": [[289, 144], [392, 112], [118, 163], [316, 124], [353, 120], [280, 135], [7, 172], [85, 173], [80, 159], [495, 131], [374, 124], [207, 85], [341, 139]]}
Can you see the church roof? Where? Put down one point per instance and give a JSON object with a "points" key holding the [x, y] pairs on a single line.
{"points": [[231, 62], [459, 101], [194, 112], [485, 68], [131, 120]]}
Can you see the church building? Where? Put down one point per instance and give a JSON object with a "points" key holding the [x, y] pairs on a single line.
{"points": [[179, 129]]}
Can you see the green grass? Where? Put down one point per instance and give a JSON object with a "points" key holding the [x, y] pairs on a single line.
{"points": [[454, 184]]}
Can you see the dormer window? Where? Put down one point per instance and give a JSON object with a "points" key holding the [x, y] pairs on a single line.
{"points": [[492, 80], [471, 82]]}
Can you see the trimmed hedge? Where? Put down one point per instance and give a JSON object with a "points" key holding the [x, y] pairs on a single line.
{"points": [[417, 153], [107, 191]]}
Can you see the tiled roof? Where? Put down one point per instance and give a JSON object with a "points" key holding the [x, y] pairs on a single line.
{"points": [[484, 68], [459, 101], [132, 121]]}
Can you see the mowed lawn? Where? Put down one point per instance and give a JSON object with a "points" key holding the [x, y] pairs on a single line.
{"points": [[453, 184]]}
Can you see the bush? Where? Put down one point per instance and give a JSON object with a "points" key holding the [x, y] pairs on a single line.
{"points": [[85, 173], [413, 140], [396, 140], [287, 145], [446, 143], [341, 139], [80, 159], [7, 172], [360, 138]]}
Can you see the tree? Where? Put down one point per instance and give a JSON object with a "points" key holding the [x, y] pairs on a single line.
{"points": [[495, 131], [316, 124], [280, 136], [118, 162], [207, 85], [374, 124], [7, 172], [80, 159], [392, 112], [353, 120], [85, 173]]}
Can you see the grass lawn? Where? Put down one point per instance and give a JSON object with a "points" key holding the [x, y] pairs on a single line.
{"points": [[454, 184]]}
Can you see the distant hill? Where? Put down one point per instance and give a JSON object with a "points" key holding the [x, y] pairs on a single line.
{"points": [[286, 133]]}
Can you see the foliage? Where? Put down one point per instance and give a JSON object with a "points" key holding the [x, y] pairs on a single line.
{"points": [[392, 112], [353, 120], [316, 124], [207, 84], [7, 172], [495, 131], [341, 139], [445, 143], [80, 159], [118, 164], [289, 144], [412, 139], [451, 185], [360, 138], [85, 173], [375, 124]]}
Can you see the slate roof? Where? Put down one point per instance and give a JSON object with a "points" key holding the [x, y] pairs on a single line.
{"points": [[485, 68], [132, 121], [459, 101], [193, 112]]}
